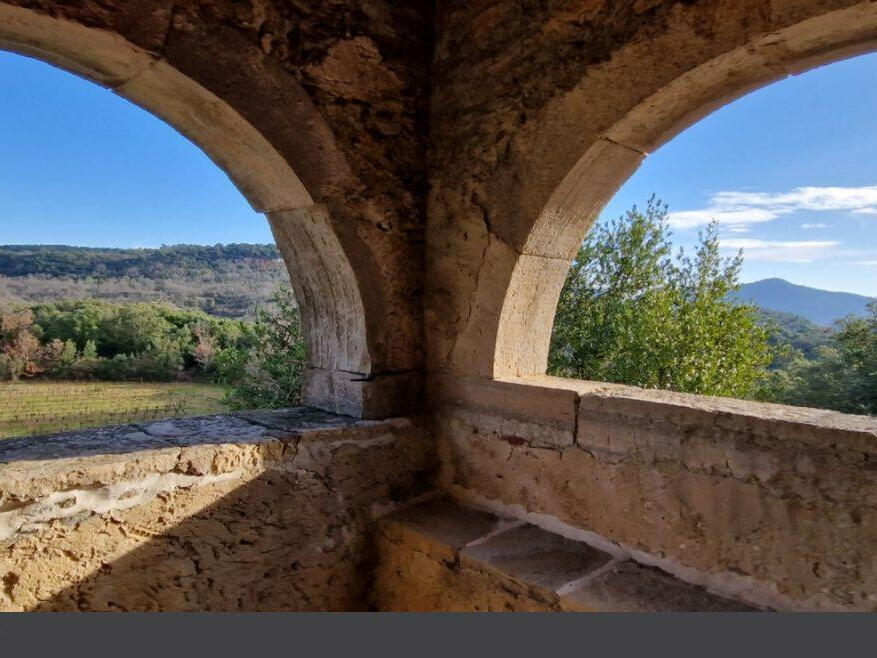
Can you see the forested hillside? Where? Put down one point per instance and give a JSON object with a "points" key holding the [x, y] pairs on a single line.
{"points": [[668, 322], [796, 331], [223, 280]]}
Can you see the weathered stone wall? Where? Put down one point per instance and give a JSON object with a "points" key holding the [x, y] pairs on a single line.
{"points": [[775, 505], [505, 126], [264, 511], [442, 557]]}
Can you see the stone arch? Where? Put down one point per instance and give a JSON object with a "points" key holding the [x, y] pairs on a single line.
{"points": [[570, 160], [260, 127]]}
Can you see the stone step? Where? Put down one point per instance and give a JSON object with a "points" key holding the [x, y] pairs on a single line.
{"points": [[441, 556]]}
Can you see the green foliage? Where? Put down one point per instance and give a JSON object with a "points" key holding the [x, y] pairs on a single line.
{"points": [[795, 332], [632, 313], [92, 339], [842, 375], [261, 361], [90, 350], [267, 373], [858, 346], [87, 335], [82, 262]]}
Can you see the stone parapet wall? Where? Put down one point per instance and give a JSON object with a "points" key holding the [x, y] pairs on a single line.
{"points": [[775, 505], [262, 511]]}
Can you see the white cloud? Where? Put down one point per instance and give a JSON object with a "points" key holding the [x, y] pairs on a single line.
{"points": [[864, 262], [784, 251], [693, 218], [805, 198], [809, 226], [741, 208]]}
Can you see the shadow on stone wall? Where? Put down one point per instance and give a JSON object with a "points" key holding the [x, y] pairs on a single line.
{"points": [[270, 524], [271, 544]]}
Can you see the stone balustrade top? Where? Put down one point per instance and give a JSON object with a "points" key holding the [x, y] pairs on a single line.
{"points": [[31, 467]]}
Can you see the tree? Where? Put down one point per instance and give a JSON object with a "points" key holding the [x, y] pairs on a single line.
{"points": [[266, 371], [21, 351], [858, 344], [205, 347], [842, 375], [90, 350], [630, 312]]}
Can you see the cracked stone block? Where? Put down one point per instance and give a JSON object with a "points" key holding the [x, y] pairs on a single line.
{"points": [[204, 429], [439, 527], [418, 570], [631, 587], [295, 419], [518, 412], [530, 556]]}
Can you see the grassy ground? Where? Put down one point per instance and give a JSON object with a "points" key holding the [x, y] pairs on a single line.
{"points": [[40, 407]]}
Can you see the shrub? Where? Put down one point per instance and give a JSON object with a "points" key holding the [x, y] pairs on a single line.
{"points": [[269, 373]]}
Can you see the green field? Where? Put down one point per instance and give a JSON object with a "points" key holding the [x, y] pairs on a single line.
{"points": [[41, 407]]}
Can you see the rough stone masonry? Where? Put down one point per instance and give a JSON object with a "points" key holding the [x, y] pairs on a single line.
{"points": [[428, 170]]}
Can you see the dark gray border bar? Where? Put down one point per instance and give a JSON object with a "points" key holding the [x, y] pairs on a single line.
{"points": [[448, 635]]}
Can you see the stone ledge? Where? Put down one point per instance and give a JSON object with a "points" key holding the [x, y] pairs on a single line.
{"points": [[554, 412], [439, 528], [520, 398], [156, 454], [479, 561], [542, 562], [626, 586], [211, 513], [818, 427], [515, 411]]}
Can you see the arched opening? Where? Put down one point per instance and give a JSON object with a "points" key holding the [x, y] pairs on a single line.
{"points": [[134, 277], [548, 245], [324, 281], [771, 193]]}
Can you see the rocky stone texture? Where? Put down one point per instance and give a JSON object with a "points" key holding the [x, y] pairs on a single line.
{"points": [[625, 586], [428, 170], [440, 556], [268, 511], [775, 504]]}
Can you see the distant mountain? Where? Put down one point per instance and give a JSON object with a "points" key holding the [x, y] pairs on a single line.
{"points": [[224, 280], [822, 307]]}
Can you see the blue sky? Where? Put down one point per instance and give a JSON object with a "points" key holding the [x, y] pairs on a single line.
{"points": [[80, 165], [790, 172]]}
